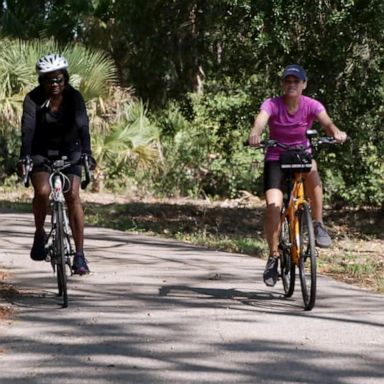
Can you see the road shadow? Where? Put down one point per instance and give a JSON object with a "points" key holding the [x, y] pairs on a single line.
{"points": [[272, 300]]}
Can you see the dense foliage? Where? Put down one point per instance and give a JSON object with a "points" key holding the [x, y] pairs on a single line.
{"points": [[204, 67], [123, 139]]}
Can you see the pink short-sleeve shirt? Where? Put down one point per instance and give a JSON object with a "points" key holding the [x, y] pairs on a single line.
{"points": [[289, 128]]}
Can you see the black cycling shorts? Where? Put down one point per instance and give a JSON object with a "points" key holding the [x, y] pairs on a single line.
{"points": [[273, 176], [39, 166]]}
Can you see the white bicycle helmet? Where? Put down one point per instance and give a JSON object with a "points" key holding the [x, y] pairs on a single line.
{"points": [[50, 63]]}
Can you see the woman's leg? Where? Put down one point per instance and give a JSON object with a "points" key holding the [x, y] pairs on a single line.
{"points": [[76, 213], [40, 182], [273, 177], [274, 200], [314, 189], [76, 221]]}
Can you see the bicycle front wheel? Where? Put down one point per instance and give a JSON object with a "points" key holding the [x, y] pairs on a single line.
{"points": [[307, 257], [60, 257], [287, 268]]}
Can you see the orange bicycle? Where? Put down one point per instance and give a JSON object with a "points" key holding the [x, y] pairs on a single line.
{"points": [[297, 239]]}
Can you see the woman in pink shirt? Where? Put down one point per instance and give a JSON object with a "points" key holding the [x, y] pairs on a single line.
{"points": [[289, 117]]}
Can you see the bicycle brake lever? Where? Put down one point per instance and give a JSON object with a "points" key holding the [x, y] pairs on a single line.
{"points": [[327, 140]]}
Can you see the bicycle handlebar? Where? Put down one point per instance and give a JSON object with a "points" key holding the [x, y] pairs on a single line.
{"points": [[58, 166], [27, 164], [316, 143], [313, 142], [84, 183], [61, 164]]}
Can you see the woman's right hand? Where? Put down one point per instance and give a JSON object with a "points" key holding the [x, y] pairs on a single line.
{"points": [[254, 139], [24, 165], [257, 129], [20, 168], [340, 136]]}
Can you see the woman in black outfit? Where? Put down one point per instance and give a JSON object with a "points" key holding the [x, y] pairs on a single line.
{"points": [[55, 124]]}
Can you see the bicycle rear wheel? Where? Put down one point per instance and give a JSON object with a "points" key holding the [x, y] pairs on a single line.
{"points": [[307, 257], [287, 268], [60, 257]]}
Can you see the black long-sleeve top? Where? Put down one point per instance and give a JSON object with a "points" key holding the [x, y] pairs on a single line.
{"points": [[65, 131]]}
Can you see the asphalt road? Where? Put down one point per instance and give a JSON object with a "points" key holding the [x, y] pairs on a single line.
{"points": [[160, 311]]}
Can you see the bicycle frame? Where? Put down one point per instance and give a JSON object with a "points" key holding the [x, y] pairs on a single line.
{"points": [[56, 182], [296, 198], [300, 252]]}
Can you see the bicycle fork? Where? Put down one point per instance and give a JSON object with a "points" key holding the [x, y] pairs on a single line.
{"points": [[58, 202], [296, 199]]}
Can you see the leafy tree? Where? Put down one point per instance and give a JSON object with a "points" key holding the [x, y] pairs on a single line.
{"points": [[231, 50], [91, 72], [22, 19]]}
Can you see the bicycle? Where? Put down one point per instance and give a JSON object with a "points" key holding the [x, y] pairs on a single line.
{"points": [[59, 248], [296, 238]]}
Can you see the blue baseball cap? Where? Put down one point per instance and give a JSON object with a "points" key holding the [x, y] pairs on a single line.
{"points": [[295, 70]]}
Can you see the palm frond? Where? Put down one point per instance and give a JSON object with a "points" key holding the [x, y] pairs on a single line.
{"points": [[132, 140], [92, 72]]}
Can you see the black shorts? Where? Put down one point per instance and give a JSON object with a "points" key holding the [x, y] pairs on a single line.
{"points": [[273, 176], [38, 165]]}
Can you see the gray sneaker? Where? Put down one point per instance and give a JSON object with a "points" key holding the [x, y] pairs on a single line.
{"points": [[322, 239], [270, 273]]}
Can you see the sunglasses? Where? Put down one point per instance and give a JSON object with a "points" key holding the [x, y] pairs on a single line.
{"points": [[292, 81], [55, 80]]}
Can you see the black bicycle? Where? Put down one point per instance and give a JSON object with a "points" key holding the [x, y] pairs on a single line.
{"points": [[59, 247]]}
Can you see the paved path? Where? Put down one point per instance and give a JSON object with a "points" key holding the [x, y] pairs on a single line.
{"points": [[159, 311]]}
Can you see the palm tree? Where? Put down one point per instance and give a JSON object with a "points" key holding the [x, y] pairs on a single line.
{"points": [[130, 145], [92, 72], [121, 133]]}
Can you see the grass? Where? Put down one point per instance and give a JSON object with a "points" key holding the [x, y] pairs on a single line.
{"points": [[355, 257], [234, 244], [359, 266]]}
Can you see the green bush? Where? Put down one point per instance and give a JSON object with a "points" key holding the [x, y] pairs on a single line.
{"points": [[202, 140]]}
